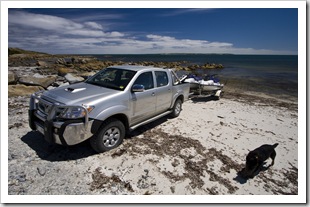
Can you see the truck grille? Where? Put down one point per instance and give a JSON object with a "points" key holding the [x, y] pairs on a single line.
{"points": [[44, 107]]}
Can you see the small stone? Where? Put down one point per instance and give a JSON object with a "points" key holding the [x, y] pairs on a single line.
{"points": [[41, 171]]}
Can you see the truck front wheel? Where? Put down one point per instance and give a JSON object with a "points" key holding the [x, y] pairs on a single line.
{"points": [[109, 136]]}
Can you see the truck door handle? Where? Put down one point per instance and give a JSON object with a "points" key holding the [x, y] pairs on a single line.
{"points": [[153, 94]]}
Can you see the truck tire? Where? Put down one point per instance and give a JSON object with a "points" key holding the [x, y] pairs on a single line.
{"points": [[109, 136], [177, 108]]}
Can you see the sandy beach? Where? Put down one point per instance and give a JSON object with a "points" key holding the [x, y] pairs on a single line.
{"points": [[198, 153]]}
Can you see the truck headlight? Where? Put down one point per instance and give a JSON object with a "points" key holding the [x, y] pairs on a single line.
{"points": [[75, 112]]}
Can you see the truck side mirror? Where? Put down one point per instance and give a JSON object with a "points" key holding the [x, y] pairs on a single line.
{"points": [[137, 88]]}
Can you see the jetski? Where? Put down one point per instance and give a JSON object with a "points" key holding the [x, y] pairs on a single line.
{"points": [[210, 84]]}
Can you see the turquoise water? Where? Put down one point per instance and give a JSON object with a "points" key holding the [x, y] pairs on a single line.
{"points": [[270, 74]]}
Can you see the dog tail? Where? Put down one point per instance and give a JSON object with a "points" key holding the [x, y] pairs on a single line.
{"points": [[275, 145]]}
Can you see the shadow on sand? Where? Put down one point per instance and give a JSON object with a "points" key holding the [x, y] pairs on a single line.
{"points": [[242, 179], [198, 99], [55, 152]]}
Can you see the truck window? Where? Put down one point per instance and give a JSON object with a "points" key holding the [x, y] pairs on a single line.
{"points": [[113, 78], [145, 79], [161, 78]]}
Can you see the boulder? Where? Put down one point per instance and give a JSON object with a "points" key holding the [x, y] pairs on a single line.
{"points": [[64, 84], [86, 75], [73, 79], [82, 61], [38, 80], [22, 90], [64, 71], [12, 77], [58, 84], [41, 63], [61, 61]]}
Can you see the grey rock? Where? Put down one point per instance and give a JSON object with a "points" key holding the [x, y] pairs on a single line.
{"points": [[38, 80], [21, 178], [73, 79], [12, 77], [61, 61], [41, 63], [41, 171], [22, 90]]}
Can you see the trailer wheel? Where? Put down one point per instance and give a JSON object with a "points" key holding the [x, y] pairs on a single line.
{"points": [[177, 108], [109, 136]]}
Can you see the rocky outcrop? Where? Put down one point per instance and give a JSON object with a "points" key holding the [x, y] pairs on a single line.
{"points": [[86, 75], [64, 71], [44, 71], [22, 90], [89, 63], [41, 63], [61, 61], [12, 77], [24, 81], [38, 80], [73, 79]]}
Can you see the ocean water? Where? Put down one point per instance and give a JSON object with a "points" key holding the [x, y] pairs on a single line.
{"points": [[269, 74]]}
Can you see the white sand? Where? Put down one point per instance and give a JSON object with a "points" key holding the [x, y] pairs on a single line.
{"points": [[198, 153]]}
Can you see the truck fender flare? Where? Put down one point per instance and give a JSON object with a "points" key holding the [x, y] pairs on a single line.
{"points": [[176, 97], [114, 111]]}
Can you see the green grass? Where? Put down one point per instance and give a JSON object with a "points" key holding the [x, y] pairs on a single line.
{"points": [[13, 51]]}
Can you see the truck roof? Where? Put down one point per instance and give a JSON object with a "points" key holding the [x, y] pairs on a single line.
{"points": [[135, 67]]}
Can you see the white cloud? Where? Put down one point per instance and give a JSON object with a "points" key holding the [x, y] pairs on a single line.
{"points": [[160, 38], [172, 43], [46, 22], [94, 25], [58, 25], [54, 34], [115, 34], [85, 32]]}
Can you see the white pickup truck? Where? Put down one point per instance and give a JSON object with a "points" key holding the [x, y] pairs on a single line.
{"points": [[107, 105]]}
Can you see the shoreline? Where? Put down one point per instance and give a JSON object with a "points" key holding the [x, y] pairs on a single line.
{"points": [[289, 102]]}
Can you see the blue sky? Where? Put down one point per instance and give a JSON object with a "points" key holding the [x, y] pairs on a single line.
{"points": [[152, 30]]}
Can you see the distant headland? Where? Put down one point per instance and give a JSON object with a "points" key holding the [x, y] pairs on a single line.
{"points": [[20, 57]]}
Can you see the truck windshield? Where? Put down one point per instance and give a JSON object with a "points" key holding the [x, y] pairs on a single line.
{"points": [[113, 78]]}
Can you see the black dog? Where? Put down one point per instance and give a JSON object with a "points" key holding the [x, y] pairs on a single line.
{"points": [[255, 159]]}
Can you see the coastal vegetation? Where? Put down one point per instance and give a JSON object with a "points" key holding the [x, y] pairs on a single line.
{"points": [[14, 50]]}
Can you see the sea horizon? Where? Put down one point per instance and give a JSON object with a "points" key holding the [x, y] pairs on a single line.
{"points": [[86, 54]]}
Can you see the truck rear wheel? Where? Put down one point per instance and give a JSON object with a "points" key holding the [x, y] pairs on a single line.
{"points": [[177, 108], [109, 136]]}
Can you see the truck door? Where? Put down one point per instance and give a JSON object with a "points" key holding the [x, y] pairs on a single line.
{"points": [[143, 103], [163, 91]]}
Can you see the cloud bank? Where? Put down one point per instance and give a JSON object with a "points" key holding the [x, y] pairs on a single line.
{"points": [[58, 35]]}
